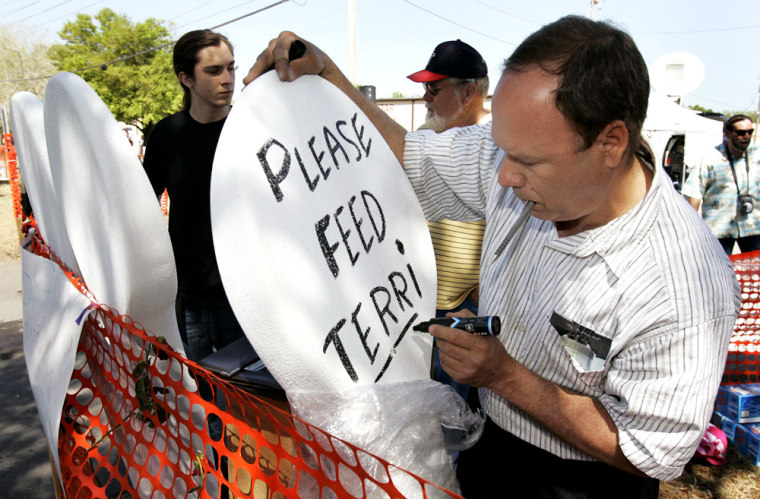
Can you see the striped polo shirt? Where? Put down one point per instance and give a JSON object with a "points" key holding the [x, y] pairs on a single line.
{"points": [[653, 289]]}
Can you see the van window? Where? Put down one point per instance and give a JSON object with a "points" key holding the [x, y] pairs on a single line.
{"points": [[672, 160]]}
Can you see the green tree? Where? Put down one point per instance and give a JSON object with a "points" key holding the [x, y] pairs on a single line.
{"points": [[23, 63], [728, 114], [697, 107], [140, 87], [752, 114]]}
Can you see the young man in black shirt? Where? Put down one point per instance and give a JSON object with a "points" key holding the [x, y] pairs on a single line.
{"points": [[179, 155]]}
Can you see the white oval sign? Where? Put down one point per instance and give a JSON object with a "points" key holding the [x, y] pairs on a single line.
{"points": [[112, 217], [29, 137], [322, 246]]}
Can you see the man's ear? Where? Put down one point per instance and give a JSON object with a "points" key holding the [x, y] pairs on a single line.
{"points": [[614, 141], [185, 79], [470, 90]]}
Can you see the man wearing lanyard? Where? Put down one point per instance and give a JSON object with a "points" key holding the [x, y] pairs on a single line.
{"points": [[727, 184]]}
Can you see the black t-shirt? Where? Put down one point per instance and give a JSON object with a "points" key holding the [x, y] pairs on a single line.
{"points": [[179, 154]]}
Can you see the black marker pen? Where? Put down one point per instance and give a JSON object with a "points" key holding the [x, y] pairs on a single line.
{"points": [[482, 326]]}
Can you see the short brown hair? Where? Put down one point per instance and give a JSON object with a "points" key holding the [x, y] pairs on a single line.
{"points": [[602, 75]]}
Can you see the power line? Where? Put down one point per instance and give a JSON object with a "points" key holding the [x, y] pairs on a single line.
{"points": [[713, 30], [42, 11], [146, 51], [250, 14], [22, 8], [60, 17], [193, 9], [532, 21], [724, 56], [460, 25], [219, 12], [728, 106]]}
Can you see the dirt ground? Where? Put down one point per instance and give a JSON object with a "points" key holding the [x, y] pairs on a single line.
{"points": [[737, 479], [9, 242]]}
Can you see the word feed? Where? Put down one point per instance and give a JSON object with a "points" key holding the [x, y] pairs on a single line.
{"points": [[376, 218]]}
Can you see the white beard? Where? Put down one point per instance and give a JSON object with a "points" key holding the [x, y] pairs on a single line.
{"points": [[438, 123]]}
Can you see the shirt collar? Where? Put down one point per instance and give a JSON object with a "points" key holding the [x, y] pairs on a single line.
{"points": [[618, 241]]}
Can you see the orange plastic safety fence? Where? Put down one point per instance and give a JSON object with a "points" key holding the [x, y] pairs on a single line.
{"points": [[13, 175], [165, 202], [743, 362], [139, 420]]}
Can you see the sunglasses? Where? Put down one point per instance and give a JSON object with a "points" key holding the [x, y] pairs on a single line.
{"points": [[433, 90], [742, 133]]}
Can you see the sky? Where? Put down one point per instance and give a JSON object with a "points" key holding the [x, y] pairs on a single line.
{"points": [[395, 38]]}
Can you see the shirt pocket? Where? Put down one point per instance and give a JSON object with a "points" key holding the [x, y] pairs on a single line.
{"points": [[586, 371], [591, 375]]}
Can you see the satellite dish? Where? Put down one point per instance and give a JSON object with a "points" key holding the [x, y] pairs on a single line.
{"points": [[677, 73]]}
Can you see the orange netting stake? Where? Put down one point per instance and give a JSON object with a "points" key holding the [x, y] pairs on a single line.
{"points": [[140, 420], [743, 362], [13, 175]]}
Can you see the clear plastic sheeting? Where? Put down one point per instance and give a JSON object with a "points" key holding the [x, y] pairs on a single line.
{"points": [[417, 425]]}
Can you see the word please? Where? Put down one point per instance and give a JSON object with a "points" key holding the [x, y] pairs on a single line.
{"points": [[318, 168]]}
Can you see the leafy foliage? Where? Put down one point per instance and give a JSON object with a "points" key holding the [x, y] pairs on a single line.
{"points": [[140, 89], [701, 109], [23, 59], [752, 114]]}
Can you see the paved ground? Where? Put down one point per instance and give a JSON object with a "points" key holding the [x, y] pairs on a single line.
{"points": [[25, 470]]}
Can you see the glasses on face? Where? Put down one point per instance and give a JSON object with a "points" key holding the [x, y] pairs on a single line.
{"points": [[742, 133], [433, 90]]}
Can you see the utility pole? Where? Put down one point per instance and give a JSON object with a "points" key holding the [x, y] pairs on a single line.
{"points": [[352, 41], [757, 120], [593, 4]]}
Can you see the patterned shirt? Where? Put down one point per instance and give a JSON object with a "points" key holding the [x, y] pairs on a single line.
{"points": [[651, 293], [457, 247], [713, 183]]}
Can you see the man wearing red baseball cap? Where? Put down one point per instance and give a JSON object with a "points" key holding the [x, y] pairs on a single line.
{"points": [[456, 86]]}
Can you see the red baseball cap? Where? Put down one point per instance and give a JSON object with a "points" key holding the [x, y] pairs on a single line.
{"points": [[452, 59]]}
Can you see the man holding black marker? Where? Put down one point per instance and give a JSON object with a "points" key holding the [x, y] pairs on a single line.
{"points": [[604, 376]]}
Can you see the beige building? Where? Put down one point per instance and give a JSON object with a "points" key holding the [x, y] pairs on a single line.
{"points": [[410, 113]]}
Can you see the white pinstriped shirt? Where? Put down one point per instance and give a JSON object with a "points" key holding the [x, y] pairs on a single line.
{"points": [[654, 283]]}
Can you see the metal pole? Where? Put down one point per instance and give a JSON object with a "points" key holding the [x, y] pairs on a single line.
{"points": [[6, 125], [593, 4], [352, 41]]}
